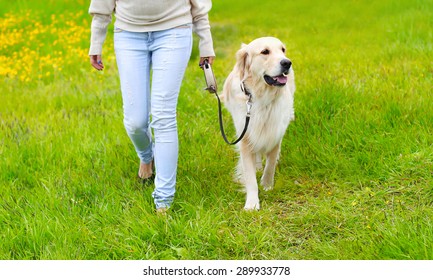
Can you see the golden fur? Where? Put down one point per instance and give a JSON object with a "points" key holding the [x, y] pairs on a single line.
{"points": [[264, 69]]}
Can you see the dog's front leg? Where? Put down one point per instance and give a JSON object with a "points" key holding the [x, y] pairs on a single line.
{"points": [[267, 180], [248, 160]]}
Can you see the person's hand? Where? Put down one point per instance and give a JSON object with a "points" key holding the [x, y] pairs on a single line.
{"points": [[209, 59], [96, 61]]}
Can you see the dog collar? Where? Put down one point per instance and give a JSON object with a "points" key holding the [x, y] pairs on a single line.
{"points": [[245, 90]]}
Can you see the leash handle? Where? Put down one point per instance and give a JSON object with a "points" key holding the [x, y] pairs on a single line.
{"points": [[209, 77]]}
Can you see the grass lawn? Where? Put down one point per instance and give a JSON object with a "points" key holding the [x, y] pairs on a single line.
{"points": [[355, 178]]}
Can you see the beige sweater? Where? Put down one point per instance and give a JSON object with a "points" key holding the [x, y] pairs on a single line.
{"points": [[150, 15]]}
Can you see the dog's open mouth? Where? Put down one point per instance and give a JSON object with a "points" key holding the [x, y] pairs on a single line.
{"points": [[278, 81]]}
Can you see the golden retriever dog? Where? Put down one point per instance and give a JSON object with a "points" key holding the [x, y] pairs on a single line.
{"points": [[263, 72]]}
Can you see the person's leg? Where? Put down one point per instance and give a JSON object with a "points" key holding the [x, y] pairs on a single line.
{"points": [[171, 50], [133, 62]]}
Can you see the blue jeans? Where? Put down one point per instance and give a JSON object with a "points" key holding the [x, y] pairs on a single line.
{"points": [[151, 68]]}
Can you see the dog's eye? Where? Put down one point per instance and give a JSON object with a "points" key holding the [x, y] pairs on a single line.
{"points": [[284, 50], [265, 52]]}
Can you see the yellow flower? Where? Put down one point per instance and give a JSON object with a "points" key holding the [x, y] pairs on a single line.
{"points": [[33, 48]]}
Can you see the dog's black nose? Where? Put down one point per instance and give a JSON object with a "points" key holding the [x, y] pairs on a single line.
{"points": [[286, 64]]}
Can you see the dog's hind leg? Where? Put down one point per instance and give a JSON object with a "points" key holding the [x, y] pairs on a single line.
{"points": [[259, 165], [267, 180], [248, 161]]}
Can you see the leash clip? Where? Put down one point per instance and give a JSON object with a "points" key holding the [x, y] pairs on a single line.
{"points": [[249, 105]]}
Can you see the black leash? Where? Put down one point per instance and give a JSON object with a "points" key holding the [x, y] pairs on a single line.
{"points": [[247, 120], [212, 88]]}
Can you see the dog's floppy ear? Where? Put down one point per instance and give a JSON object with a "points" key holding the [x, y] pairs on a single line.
{"points": [[242, 61]]}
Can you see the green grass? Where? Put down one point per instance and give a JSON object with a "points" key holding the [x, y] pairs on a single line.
{"points": [[355, 179]]}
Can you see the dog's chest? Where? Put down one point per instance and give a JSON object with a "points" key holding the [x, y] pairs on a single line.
{"points": [[269, 123]]}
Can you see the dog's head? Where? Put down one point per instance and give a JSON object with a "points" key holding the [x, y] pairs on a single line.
{"points": [[264, 59]]}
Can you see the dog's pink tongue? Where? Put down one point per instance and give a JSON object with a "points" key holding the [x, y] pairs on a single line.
{"points": [[281, 79]]}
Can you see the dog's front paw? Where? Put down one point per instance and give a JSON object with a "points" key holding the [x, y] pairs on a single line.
{"points": [[252, 204]]}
